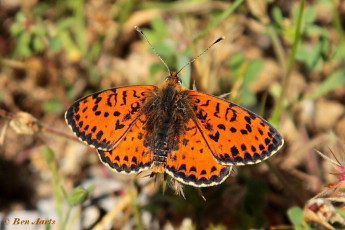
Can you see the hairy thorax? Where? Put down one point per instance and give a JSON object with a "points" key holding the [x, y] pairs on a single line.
{"points": [[168, 108]]}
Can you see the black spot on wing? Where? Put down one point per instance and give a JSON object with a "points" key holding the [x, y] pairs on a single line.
{"points": [[77, 117], [216, 114], [234, 114], [182, 167], [185, 142], [247, 157], [221, 126], [124, 98], [118, 125], [201, 115], [244, 132], [109, 99], [135, 106], [192, 169], [215, 137], [135, 94], [234, 151], [99, 135], [261, 147], [248, 119], [206, 104], [267, 141], [233, 130], [98, 99], [134, 160]]}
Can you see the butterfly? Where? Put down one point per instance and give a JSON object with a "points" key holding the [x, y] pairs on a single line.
{"points": [[194, 137]]}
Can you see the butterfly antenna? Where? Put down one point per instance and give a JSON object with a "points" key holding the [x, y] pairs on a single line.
{"points": [[191, 61], [142, 33]]}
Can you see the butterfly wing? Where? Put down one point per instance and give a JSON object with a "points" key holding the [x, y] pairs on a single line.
{"points": [[130, 155], [103, 118], [235, 135], [192, 163]]}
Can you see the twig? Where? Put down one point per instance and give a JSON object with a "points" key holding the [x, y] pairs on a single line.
{"points": [[43, 127]]}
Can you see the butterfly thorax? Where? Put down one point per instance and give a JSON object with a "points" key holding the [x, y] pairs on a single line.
{"points": [[168, 108]]}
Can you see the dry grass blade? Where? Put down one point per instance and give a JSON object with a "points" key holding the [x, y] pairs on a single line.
{"points": [[109, 218]]}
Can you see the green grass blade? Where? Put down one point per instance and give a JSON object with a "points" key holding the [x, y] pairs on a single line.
{"points": [[277, 109], [219, 19]]}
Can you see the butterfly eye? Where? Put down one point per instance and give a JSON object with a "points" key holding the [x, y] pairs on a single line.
{"points": [[179, 80]]}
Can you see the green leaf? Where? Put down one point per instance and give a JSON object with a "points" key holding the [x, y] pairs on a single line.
{"points": [[295, 215], [154, 69], [185, 74], [159, 26], [339, 52], [236, 61], [309, 15], [164, 49], [277, 16], [219, 18], [158, 33], [38, 43], [48, 154], [40, 30], [53, 105], [16, 28], [254, 67], [337, 79], [23, 45], [78, 196], [54, 44], [63, 25]]}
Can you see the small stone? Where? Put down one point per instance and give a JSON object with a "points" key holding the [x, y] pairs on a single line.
{"points": [[340, 127], [90, 216], [327, 113]]}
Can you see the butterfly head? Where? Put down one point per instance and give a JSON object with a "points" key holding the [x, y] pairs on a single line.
{"points": [[174, 78]]}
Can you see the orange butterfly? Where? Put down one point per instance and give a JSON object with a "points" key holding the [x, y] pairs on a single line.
{"points": [[194, 137]]}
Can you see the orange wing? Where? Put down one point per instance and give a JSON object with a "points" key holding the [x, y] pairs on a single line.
{"points": [[235, 135], [192, 163], [103, 118], [131, 154]]}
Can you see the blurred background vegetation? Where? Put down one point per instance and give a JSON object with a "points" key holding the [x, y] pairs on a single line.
{"points": [[282, 59]]}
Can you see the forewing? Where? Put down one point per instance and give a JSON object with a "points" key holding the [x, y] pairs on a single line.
{"points": [[103, 118], [192, 162], [130, 155], [235, 135]]}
